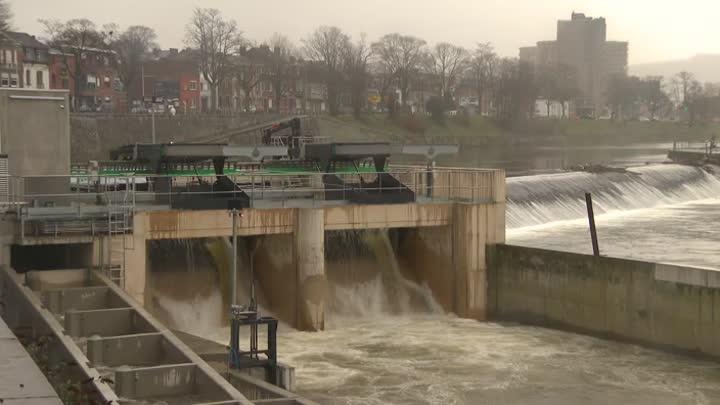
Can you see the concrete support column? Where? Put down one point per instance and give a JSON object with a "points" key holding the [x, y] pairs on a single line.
{"points": [[309, 250], [136, 260], [469, 239]]}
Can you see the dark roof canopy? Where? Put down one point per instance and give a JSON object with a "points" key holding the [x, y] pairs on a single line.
{"points": [[26, 40]]}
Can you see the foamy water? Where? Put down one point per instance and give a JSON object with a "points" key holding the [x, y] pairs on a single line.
{"points": [[398, 348], [439, 359]]}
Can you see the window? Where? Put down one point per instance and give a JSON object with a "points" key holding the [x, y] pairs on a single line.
{"points": [[28, 83], [5, 80], [91, 82], [192, 86], [13, 80], [39, 80]]}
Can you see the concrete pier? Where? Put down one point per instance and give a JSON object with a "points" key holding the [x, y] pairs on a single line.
{"points": [[309, 244], [469, 237]]}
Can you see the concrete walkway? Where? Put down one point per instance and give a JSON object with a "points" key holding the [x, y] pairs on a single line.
{"points": [[21, 381]]}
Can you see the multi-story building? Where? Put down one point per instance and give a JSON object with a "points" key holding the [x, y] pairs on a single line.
{"points": [[35, 61], [100, 88], [582, 45], [10, 62], [24, 61], [256, 72], [170, 77], [62, 66]]}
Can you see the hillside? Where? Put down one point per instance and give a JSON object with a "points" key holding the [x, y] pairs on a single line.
{"points": [[705, 67], [483, 131]]}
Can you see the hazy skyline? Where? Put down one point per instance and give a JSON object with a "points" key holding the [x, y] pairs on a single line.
{"points": [[656, 30]]}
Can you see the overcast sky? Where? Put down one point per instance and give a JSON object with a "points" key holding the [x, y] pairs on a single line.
{"points": [[657, 29]]}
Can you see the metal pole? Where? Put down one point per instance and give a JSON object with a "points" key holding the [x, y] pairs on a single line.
{"points": [[591, 220], [233, 275], [253, 302], [153, 123]]}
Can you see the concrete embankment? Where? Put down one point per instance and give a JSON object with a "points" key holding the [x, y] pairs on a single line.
{"points": [[21, 381], [656, 304], [93, 136]]}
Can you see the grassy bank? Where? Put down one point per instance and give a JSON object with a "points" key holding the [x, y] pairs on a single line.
{"points": [[478, 130]]}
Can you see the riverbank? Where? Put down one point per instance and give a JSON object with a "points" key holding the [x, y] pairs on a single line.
{"points": [[477, 130]]}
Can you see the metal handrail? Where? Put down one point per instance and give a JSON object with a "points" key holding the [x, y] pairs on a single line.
{"points": [[446, 184]]}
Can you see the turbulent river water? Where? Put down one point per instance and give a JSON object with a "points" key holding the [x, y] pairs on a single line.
{"points": [[378, 352]]}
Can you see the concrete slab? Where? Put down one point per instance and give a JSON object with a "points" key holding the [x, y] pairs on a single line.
{"points": [[21, 381]]}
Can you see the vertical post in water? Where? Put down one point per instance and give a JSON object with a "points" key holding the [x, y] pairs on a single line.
{"points": [[233, 275], [591, 220]]}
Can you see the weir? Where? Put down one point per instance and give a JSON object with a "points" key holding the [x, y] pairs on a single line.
{"points": [[89, 257], [102, 219]]}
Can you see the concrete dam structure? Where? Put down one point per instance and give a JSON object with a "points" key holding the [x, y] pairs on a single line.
{"points": [[94, 258]]}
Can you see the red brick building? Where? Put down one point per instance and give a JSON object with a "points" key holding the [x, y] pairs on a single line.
{"points": [[171, 78], [61, 66], [99, 88]]}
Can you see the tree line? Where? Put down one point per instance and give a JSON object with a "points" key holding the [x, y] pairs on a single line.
{"points": [[394, 64]]}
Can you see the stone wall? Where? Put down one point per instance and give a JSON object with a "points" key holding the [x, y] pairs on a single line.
{"points": [[93, 136], [656, 304]]}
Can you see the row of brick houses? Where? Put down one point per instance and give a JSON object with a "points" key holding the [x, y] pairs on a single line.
{"points": [[25, 62], [173, 77]]}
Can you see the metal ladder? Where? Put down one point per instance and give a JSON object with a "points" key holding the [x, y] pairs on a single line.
{"points": [[114, 245]]}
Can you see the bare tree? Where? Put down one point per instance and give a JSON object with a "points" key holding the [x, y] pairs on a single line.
{"points": [[400, 57], [483, 69], [5, 16], [247, 69], [284, 44], [75, 39], [215, 39], [514, 92], [653, 96], [327, 46], [281, 71], [356, 61], [447, 62], [131, 46], [686, 89]]}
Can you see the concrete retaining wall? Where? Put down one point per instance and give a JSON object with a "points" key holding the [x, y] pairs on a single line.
{"points": [[656, 304], [93, 136]]}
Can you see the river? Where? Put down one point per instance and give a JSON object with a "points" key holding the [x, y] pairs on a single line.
{"points": [[369, 356]]}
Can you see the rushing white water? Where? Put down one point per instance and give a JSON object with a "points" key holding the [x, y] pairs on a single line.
{"points": [[545, 199], [387, 341]]}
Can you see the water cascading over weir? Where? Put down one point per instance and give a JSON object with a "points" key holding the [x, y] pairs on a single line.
{"points": [[542, 199]]}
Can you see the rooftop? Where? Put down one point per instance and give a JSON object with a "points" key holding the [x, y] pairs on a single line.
{"points": [[26, 40]]}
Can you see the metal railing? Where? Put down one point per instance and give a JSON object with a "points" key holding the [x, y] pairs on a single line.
{"points": [[88, 203], [707, 147]]}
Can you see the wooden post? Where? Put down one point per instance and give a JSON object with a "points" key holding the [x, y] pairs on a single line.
{"points": [[591, 220]]}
